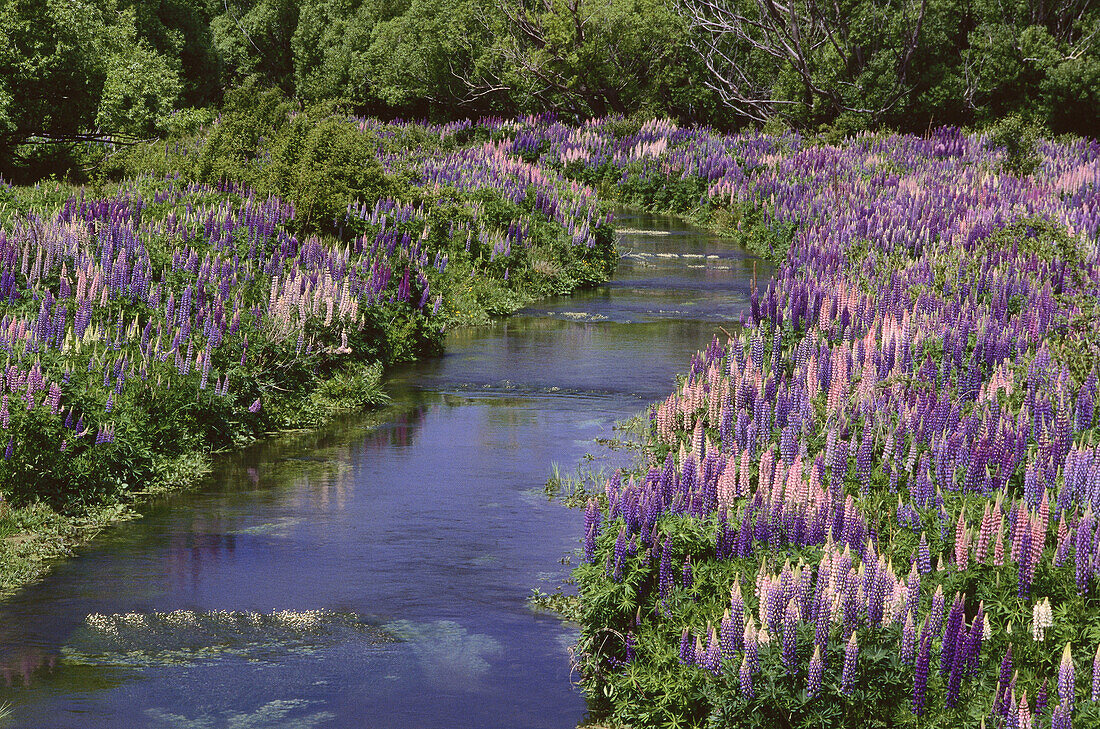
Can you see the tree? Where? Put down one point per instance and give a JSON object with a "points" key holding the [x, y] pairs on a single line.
{"points": [[139, 90], [57, 57], [1038, 59], [802, 60], [901, 63], [179, 30], [431, 60], [331, 48], [594, 57], [253, 38]]}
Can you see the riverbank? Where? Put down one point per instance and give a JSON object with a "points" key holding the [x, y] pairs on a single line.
{"points": [[152, 322], [887, 469]]}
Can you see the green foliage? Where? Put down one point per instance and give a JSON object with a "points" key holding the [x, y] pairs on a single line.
{"points": [[1019, 139], [139, 91], [235, 147], [321, 162], [70, 70], [179, 30], [317, 159], [121, 67], [426, 59], [253, 38]]}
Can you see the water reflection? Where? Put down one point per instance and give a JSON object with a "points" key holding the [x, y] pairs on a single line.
{"points": [[426, 518], [21, 666], [188, 552]]}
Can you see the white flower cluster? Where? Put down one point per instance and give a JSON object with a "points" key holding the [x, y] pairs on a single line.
{"points": [[1041, 619]]}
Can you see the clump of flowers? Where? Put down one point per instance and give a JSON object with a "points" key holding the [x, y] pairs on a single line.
{"points": [[902, 433]]}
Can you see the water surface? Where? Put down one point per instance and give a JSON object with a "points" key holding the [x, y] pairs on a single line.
{"points": [[376, 573]]}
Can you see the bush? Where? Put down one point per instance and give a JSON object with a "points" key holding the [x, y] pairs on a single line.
{"points": [[1019, 138], [235, 146], [321, 162]]}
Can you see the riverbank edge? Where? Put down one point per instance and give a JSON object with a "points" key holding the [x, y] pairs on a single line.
{"points": [[45, 537], [725, 223]]}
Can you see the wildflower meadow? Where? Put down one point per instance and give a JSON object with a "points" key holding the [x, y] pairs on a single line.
{"points": [[875, 503]]}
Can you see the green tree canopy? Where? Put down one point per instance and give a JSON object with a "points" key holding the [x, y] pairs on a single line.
{"points": [[71, 70]]}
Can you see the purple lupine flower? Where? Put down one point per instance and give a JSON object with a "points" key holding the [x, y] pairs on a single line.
{"points": [[744, 676], [816, 671], [1061, 718], [908, 639], [821, 624], [1012, 718], [954, 678], [1041, 698], [752, 650], [729, 637], [687, 648], [592, 516], [620, 554], [630, 643], [1001, 706], [1023, 578], [951, 635], [920, 670], [975, 639], [8, 450], [774, 609], [590, 544], [848, 673], [737, 617], [1066, 681], [936, 615], [688, 578], [255, 406], [805, 591], [711, 659], [790, 637]]}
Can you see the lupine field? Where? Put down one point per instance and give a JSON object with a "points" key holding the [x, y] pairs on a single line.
{"points": [[171, 317], [876, 504]]}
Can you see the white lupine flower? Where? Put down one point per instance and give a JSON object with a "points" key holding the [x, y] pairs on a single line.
{"points": [[1041, 618], [987, 631]]}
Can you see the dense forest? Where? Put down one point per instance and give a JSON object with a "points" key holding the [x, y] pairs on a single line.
{"points": [[91, 70]]}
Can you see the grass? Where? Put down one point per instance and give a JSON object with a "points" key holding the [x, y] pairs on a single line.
{"points": [[36, 536]]}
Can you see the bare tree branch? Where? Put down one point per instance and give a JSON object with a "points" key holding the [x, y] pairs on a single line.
{"points": [[747, 45]]}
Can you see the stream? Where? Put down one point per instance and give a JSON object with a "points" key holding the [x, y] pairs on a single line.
{"points": [[376, 573]]}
